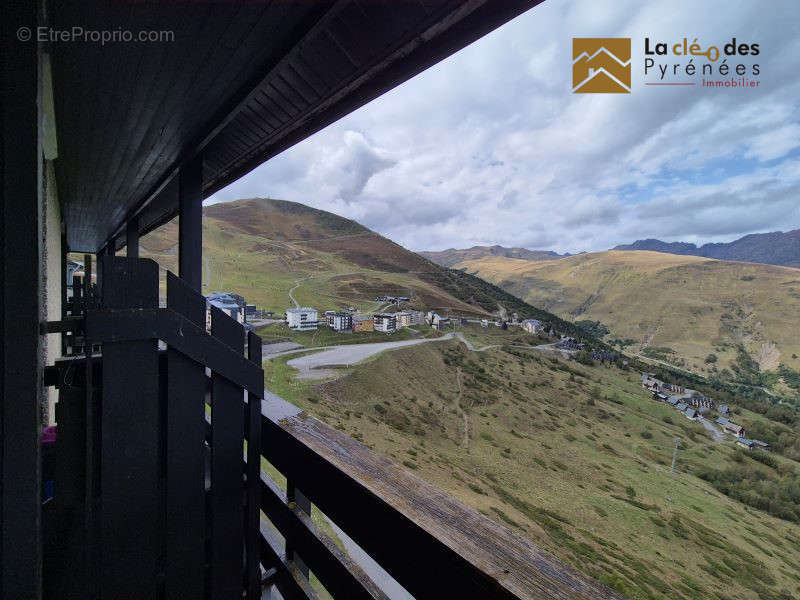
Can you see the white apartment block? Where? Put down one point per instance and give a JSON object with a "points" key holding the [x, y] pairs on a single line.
{"points": [[302, 319]]}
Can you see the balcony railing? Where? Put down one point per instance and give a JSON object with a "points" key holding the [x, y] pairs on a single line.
{"points": [[160, 491]]}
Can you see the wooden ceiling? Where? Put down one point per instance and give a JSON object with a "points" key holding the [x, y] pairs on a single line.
{"points": [[240, 82]]}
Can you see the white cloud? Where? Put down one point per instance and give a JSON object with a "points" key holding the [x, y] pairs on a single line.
{"points": [[491, 146]]}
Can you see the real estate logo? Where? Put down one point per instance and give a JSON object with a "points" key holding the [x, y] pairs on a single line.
{"points": [[601, 65]]}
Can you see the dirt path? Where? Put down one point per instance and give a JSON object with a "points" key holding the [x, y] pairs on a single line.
{"points": [[716, 434], [461, 408], [297, 283]]}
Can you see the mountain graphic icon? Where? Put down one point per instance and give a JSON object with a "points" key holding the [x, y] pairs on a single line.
{"points": [[601, 65]]}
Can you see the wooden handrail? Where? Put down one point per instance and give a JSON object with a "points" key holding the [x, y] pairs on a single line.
{"points": [[340, 575]]}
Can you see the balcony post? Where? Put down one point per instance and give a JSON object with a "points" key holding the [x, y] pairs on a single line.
{"points": [[132, 238], [20, 300], [190, 223]]}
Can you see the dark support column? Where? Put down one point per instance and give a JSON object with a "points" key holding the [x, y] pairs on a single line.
{"points": [[132, 238], [64, 252], [20, 385], [190, 224], [109, 250]]}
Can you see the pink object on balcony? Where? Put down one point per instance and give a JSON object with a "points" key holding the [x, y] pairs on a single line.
{"points": [[49, 435]]}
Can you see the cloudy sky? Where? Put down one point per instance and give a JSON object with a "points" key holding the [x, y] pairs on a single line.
{"points": [[491, 147]]}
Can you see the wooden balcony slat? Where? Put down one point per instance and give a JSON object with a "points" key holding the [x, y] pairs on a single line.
{"points": [[252, 550], [340, 575], [130, 457], [430, 543], [227, 435], [185, 456]]}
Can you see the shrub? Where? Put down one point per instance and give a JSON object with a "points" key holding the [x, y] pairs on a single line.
{"points": [[476, 488], [646, 435], [504, 516]]}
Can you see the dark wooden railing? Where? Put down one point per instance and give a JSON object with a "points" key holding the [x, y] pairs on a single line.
{"points": [[160, 491]]}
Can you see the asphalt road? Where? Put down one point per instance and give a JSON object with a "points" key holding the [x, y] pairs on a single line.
{"points": [[309, 366]]}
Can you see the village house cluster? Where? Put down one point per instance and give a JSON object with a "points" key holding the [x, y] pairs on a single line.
{"points": [[694, 405], [350, 321]]}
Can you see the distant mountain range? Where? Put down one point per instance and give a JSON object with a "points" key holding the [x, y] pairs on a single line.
{"points": [[775, 248], [452, 256]]}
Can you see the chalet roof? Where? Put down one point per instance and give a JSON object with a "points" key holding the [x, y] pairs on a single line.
{"points": [[237, 83]]}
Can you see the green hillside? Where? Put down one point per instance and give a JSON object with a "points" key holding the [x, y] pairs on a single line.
{"points": [[264, 248], [575, 457], [689, 311]]}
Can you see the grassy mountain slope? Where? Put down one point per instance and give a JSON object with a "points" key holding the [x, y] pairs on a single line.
{"points": [[577, 458], [682, 308], [452, 256], [264, 248]]}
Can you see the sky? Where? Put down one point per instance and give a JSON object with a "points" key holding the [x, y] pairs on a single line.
{"points": [[490, 146]]}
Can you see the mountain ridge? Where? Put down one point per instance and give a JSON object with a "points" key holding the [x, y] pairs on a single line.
{"points": [[453, 256], [772, 248]]}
